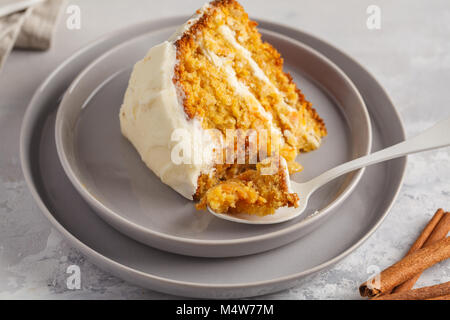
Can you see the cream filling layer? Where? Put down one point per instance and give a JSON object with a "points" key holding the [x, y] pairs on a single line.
{"points": [[225, 64], [230, 36]]}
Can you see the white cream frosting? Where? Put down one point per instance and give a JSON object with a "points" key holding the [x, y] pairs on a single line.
{"points": [[152, 111], [239, 87]]}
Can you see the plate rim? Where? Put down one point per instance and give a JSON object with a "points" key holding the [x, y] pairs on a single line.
{"points": [[103, 260], [126, 224]]}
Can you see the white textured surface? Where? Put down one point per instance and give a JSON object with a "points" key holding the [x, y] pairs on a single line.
{"points": [[410, 56]]}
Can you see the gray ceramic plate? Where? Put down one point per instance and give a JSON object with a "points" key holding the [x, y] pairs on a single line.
{"points": [[252, 275], [109, 174]]}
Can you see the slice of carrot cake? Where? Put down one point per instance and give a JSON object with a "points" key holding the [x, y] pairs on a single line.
{"points": [[208, 107]]}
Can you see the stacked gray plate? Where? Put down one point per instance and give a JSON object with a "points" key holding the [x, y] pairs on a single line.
{"points": [[93, 187]]}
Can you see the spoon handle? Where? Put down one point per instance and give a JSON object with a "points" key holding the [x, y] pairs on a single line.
{"points": [[435, 137]]}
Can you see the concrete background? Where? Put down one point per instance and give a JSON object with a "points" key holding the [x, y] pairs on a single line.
{"points": [[409, 55]]}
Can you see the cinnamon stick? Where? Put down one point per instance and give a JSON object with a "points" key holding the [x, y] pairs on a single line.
{"points": [[406, 268], [446, 297], [440, 231], [439, 290]]}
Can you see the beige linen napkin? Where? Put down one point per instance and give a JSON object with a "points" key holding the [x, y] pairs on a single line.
{"points": [[32, 28]]}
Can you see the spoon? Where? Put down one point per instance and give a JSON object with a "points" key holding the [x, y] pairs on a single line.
{"points": [[437, 136]]}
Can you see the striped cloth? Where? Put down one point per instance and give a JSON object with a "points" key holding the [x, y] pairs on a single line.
{"points": [[30, 29]]}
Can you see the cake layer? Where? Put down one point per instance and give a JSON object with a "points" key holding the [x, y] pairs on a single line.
{"points": [[256, 93], [253, 191], [213, 75]]}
